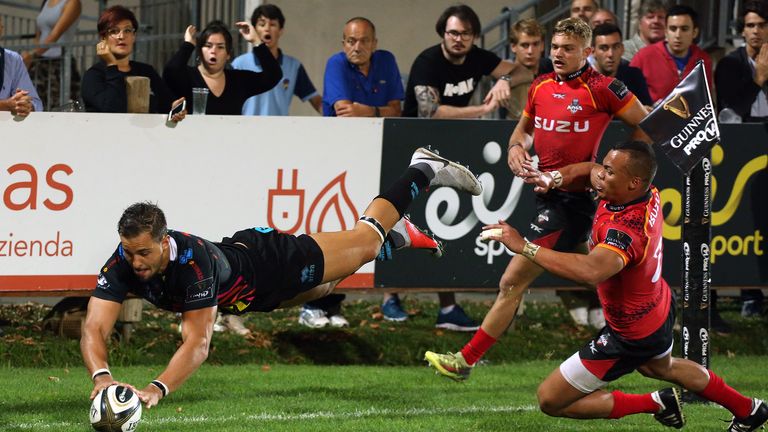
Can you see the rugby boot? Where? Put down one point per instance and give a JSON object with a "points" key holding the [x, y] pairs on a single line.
{"points": [[755, 420], [407, 235], [447, 173], [671, 413], [449, 365]]}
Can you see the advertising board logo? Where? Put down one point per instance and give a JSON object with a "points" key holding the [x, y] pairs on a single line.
{"points": [[443, 206], [332, 208], [686, 341], [678, 106], [738, 242], [704, 337]]}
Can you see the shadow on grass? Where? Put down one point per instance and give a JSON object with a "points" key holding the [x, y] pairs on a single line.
{"points": [[328, 347]]}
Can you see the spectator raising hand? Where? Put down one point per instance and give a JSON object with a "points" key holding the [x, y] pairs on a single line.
{"points": [[228, 88]]}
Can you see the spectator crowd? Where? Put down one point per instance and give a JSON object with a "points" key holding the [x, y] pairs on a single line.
{"points": [[364, 81]]}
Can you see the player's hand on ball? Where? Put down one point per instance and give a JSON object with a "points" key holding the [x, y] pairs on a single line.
{"points": [[150, 395], [505, 234], [101, 382]]}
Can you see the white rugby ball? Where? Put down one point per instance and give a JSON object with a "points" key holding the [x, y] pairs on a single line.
{"points": [[115, 409]]}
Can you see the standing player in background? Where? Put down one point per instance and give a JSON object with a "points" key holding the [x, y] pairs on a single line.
{"points": [[567, 113], [625, 266]]}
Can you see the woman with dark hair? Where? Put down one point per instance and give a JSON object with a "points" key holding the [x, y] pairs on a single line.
{"points": [[104, 84], [228, 88]]}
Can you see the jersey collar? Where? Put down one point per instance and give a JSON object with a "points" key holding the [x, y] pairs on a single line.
{"points": [[573, 75], [174, 248], [620, 207]]}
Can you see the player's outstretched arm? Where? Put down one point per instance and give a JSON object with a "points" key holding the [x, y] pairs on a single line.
{"points": [[632, 115], [197, 329], [575, 177], [99, 321], [587, 270]]}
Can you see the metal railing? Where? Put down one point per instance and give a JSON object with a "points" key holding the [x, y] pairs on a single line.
{"points": [[161, 29]]}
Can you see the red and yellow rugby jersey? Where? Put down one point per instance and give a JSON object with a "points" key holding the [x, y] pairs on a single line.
{"points": [[571, 115], [637, 299]]}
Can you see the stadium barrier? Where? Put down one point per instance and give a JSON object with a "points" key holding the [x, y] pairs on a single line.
{"points": [[66, 177]]}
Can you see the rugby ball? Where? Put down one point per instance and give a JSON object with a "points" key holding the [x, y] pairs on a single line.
{"points": [[115, 409]]}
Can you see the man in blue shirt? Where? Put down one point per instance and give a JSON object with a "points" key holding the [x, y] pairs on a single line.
{"points": [[269, 21], [362, 81], [17, 94]]}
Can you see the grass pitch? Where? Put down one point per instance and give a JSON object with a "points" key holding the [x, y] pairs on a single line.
{"points": [[342, 398]]}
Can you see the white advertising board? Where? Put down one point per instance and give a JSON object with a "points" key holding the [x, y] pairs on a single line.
{"points": [[65, 179]]}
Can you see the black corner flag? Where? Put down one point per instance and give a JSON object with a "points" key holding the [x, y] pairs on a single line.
{"points": [[685, 127], [684, 123]]}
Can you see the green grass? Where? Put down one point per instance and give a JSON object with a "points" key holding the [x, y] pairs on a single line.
{"points": [[340, 398], [545, 332]]}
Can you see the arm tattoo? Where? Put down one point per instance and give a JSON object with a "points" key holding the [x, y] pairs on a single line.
{"points": [[427, 100]]}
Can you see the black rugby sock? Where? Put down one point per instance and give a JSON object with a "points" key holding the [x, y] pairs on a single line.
{"points": [[405, 189]]}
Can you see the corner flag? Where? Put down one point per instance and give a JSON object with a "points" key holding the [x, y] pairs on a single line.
{"points": [[684, 123]]}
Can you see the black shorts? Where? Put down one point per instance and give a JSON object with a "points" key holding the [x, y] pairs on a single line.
{"points": [[617, 356], [563, 220], [280, 266]]}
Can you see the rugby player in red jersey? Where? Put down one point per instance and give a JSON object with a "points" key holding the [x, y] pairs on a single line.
{"points": [[625, 265], [564, 120]]}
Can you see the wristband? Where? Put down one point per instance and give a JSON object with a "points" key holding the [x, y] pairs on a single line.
{"points": [[530, 250], [506, 77], [100, 372], [163, 388], [557, 178], [515, 144]]}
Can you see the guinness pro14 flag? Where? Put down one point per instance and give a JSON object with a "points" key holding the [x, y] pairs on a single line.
{"points": [[684, 124]]}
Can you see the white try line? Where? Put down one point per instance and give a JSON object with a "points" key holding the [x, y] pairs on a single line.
{"points": [[287, 417]]}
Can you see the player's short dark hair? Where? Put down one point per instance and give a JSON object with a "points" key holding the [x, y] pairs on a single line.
{"points": [[268, 11], [143, 217], [678, 10], [464, 13], [213, 27], [649, 6], [362, 19], [112, 16], [529, 26], [605, 30], [754, 6], [642, 159]]}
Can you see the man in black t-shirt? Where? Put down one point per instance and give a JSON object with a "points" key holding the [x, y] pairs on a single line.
{"points": [[256, 269], [608, 48], [444, 77]]}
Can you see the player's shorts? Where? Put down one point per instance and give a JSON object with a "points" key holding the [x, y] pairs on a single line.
{"points": [[609, 356], [280, 266], [563, 220]]}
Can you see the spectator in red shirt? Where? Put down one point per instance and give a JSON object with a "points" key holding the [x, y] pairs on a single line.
{"points": [[666, 63]]}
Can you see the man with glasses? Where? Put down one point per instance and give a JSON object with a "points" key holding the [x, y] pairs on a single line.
{"points": [[17, 93], [444, 77], [361, 81]]}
